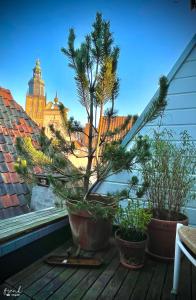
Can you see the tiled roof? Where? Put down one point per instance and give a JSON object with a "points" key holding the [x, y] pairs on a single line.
{"points": [[115, 122], [14, 122]]}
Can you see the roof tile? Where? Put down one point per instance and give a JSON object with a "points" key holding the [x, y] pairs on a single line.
{"points": [[14, 122]]}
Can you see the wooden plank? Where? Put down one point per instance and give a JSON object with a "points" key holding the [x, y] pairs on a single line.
{"points": [[193, 282], [144, 279], [185, 280], [30, 224], [178, 101], [182, 85], [157, 282], [55, 284], [23, 297], [177, 129], [114, 284], [13, 232], [99, 285], [187, 69], [177, 117], [92, 276], [167, 287], [36, 286], [16, 278], [28, 216], [23, 221], [128, 285], [31, 218], [70, 284]]}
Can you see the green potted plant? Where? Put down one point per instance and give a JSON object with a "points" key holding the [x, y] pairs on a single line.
{"points": [[169, 177], [132, 220], [95, 66]]}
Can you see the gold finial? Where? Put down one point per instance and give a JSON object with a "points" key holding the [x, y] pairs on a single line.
{"points": [[56, 100], [38, 62]]}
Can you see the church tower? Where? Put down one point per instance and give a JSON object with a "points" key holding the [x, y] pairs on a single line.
{"points": [[35, 98]]}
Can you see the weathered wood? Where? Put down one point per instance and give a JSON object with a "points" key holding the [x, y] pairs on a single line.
{"points": [[193, 281], [55, 284], [70, 284], [128, 285], [28, 216], [114, 284], [13, 280], [23, 297], [158, 280], [111, 281], [166, 290], [96, 289], [144, 279], [185, 280], [87, 281], [36, 286], [12, 232]]}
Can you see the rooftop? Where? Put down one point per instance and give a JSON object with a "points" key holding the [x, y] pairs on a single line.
{"points": [[14, 122]]}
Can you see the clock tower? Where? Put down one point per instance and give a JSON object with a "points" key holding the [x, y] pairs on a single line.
{"points": [[35, 98]]}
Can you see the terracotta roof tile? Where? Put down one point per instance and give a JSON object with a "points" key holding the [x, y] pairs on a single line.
{"points": [[115, 123], [14, 122]]}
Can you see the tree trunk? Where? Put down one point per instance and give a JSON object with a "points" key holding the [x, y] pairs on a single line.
{"points": [[90, 147], [99, 132]]}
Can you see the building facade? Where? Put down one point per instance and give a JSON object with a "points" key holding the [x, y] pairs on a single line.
{"points": [[37, 108]]}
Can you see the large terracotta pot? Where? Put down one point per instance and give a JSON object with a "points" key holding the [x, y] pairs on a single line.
{"points": [[162, 233], [89, 233], [132, 254]]}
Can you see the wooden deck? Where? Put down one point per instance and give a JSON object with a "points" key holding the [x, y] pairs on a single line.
{"points": [[110, 281]]}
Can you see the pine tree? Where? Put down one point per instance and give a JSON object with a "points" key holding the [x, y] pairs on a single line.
{"points": [[95, 66]]}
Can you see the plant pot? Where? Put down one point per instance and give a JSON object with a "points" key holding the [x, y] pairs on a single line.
{"points": [[132, 254], [162, 233], [88, 232]]}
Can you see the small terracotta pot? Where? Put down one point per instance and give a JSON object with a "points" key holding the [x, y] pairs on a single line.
{"points": [[132, 254], [162, 233]]}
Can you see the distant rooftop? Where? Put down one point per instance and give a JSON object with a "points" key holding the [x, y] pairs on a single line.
{"points": [[14, 122]]}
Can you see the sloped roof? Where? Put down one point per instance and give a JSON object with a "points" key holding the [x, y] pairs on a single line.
{"points": [[115, 122], [14, 122]]}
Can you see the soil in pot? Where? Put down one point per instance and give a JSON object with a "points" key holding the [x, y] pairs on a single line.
{"points": [[88, 232], [162, 233], [132, 254]]}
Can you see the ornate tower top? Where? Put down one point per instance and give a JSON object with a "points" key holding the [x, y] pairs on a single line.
{"points": [[36, 84], [56, 100]]}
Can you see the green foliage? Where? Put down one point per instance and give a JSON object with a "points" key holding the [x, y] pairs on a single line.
{"points": [[95, 208], [95, 72], [133, 221], [123, 159], [157, 107], [169, 174]]}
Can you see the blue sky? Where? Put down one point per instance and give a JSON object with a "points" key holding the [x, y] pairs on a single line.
{"points": [[150, 33]]}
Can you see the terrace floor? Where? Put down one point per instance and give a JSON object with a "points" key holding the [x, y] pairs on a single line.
{"points": [[110, 281]]}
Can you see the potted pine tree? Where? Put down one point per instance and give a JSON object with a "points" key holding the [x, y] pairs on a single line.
{"points": [[169, 177], [95, 66]]}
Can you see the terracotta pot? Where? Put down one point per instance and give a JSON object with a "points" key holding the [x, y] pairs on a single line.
{"points": [[132, 254], [87, 232], [162, 233]]}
